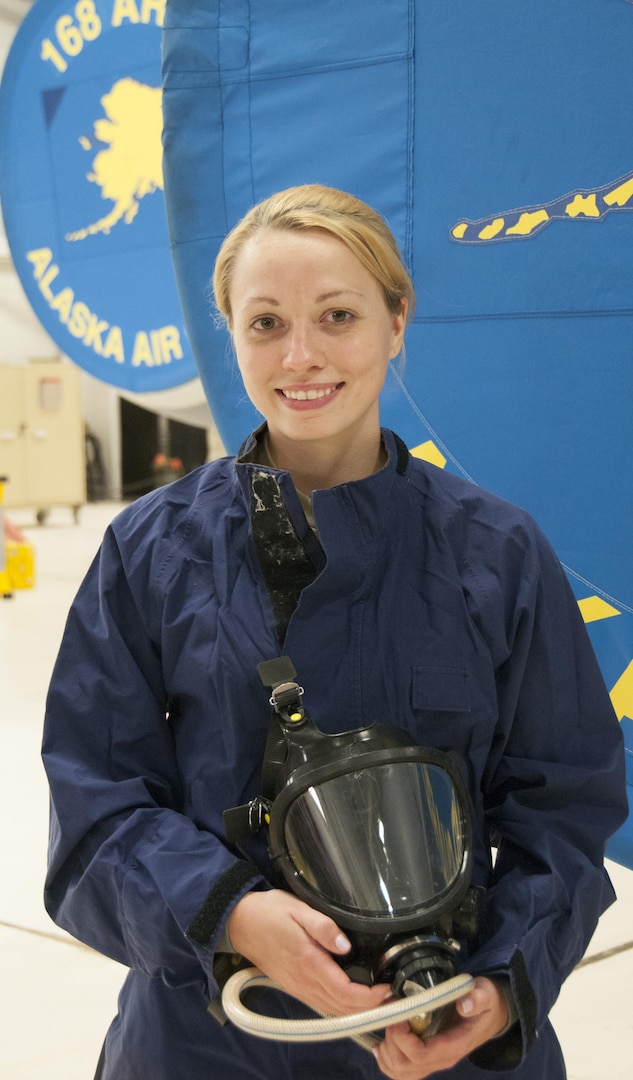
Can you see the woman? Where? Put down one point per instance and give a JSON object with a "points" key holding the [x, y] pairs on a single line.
{"points": [[414, 594]]}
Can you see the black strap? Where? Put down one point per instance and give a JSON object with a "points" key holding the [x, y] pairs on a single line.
{"points": [[403, 455], [274, 757], [286, 567]]}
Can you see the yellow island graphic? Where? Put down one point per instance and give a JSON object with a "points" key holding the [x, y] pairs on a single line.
{"points": [[131, 166], [527, 221]]}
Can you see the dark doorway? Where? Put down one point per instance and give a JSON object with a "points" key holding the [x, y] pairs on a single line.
{"points": [[155, 450]]}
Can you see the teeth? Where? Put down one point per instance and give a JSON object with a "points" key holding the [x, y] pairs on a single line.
{"points": [[307, 395]]}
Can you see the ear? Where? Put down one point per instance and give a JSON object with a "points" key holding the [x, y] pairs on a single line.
{"points": [[399, 326]]}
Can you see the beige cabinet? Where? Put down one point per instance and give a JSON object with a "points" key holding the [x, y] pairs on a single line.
{"points": [[42, 440]]}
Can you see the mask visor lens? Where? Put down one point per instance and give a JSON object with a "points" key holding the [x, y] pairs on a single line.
{"points": [[381, 842]]}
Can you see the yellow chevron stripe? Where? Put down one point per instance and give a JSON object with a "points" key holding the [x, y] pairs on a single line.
{"points": [[622, 694], [428, 451], [593, 608]]}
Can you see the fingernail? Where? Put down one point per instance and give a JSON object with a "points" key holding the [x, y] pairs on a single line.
{"points": [[342, 944], [467, 1005]]}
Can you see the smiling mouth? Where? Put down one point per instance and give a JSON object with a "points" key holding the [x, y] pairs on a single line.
{"points": [[310, 395]]}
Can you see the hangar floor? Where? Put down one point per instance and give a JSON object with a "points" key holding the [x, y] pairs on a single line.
{"points": [[58, 997]]}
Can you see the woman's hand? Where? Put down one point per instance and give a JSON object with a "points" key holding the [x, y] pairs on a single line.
{"points": [[291, 943], [481, 1015]]}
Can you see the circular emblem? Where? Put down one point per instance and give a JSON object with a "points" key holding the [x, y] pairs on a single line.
{"points": [[81, 183]]}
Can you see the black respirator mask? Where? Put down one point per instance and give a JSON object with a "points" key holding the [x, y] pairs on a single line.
{"points": [[375, 832]]}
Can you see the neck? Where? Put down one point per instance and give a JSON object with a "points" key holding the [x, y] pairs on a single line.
{"points": [[314, 465]]}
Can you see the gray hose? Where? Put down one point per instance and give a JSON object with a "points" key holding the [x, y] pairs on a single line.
{"points": [[334, 1027]]}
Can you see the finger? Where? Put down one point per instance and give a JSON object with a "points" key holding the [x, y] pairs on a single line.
{"points": [[468, 1006], [293, 944], [405, 1057], [485, 1000], [340, 994], [322, 929], [402, 1054]]}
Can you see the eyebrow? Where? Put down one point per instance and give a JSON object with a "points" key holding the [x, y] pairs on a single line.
{"points": [[321, 298], [337, 292], [263, 300]]}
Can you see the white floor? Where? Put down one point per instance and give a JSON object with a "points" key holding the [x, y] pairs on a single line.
{"points": [[57, 997]]}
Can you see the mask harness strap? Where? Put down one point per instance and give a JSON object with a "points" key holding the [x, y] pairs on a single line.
{"points": [[242, 822], [287, 710]]}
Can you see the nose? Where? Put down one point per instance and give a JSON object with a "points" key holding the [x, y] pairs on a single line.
{"points": [[302, 352]]}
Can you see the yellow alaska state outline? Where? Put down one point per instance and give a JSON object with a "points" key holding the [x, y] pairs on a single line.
{"points": [[131, 166]]}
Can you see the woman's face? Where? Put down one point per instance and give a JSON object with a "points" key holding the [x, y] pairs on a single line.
{"points": [[312, 334]]}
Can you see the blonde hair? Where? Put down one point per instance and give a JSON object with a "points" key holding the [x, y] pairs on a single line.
{"points": [[313, 206]]}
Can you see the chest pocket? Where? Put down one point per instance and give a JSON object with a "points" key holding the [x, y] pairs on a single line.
{"points": [[440, 689], [441, 707]]}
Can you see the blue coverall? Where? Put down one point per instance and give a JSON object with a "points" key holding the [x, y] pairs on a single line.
{"points": [[424, 602]]}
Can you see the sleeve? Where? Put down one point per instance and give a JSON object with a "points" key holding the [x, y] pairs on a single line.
{"points": [[129, 874], [553, 790]]}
